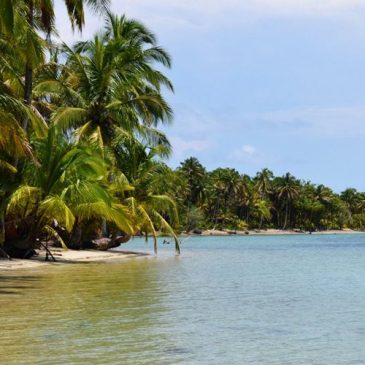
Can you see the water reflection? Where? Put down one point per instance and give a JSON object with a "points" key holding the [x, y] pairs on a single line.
{"points": [[82, 314], [237, 300]]}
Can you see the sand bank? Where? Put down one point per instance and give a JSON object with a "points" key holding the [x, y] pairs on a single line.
{"points": [[69, 256], [213, 232]]}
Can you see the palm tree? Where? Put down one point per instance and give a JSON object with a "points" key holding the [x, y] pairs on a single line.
{"points": [[7, 16], [287, 189], [195, 174], [66, 187], [111, 87], [152, 210], [263, 182], [38, 15], [223, 189], [263, 209]]}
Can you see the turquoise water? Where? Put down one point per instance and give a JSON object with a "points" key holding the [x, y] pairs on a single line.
{"points": [[225, 300]]}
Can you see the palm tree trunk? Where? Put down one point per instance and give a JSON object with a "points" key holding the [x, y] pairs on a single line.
{"points": [[2, 238], [28, 81], [2, 233], [286, 214], [28, 87], [28, 78]]}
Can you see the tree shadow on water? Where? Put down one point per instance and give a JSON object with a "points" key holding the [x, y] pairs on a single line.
{"points": [[15, 284]]}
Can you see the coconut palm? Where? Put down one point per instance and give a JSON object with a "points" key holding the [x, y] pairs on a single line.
{"points": [[32, 16], [287, 190], [195, 174], [263, 182], [66, 186], [151, 209], [41, 12], [262, 208], [111, 86]]}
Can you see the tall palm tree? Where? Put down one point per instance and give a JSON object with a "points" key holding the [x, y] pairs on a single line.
{"points": [[287, 190], [263, 182], [111, 86], [223, 190], [39, 15], [195, 174]]}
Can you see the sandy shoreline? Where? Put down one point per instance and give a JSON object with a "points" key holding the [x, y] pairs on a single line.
{"points": [[271, 232], [87, 256], [69, 256]]}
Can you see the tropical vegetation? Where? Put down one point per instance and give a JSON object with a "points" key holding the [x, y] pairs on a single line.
{"points": [[80, 139], [225, 199], [82, 152]]}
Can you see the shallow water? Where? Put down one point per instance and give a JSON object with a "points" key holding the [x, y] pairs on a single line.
{"points": [[225, 300]]}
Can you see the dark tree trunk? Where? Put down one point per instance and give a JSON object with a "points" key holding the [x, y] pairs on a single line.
{"points": [[28, 81], [286, 214], [28, 87]]}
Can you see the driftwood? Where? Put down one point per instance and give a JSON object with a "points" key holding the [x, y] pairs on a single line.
{"points": [[104, 244]]}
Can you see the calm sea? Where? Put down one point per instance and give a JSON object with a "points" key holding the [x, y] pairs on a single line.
{"points": [[225, 300]]}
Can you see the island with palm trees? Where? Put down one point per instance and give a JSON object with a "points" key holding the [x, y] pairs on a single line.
{"points": [[83, 156]]}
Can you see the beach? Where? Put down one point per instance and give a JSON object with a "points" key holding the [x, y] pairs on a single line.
{"points": [[67, 257], [88, 256], [226, 232]]}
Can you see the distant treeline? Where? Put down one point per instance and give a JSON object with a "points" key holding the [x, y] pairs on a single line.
{"points": [[224, 198]]}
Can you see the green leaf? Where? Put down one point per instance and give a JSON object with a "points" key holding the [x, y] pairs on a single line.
{"points": [[7, 15]]}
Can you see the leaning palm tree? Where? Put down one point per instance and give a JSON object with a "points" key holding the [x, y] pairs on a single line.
{"points": [[14, 142], [151, 209]]}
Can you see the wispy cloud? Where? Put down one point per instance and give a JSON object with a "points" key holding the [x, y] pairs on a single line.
{"points": [[324, 122], [201, 15], [245, 153], [184, 147], [222, 8]]}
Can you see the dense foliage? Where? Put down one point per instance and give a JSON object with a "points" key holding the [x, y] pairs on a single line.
{"points": [[79, 137], [223, 198], [81, 152]]}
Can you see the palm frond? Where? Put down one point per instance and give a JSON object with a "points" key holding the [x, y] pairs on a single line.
{"points": [[68, 117], [54, 207]]}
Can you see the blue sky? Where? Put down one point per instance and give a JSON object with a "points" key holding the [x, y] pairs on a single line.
{"points": [[262, 83]]}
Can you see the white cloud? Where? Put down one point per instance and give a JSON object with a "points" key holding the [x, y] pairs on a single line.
{"points": [[246, 154], [182, 147], [248, 150]]}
